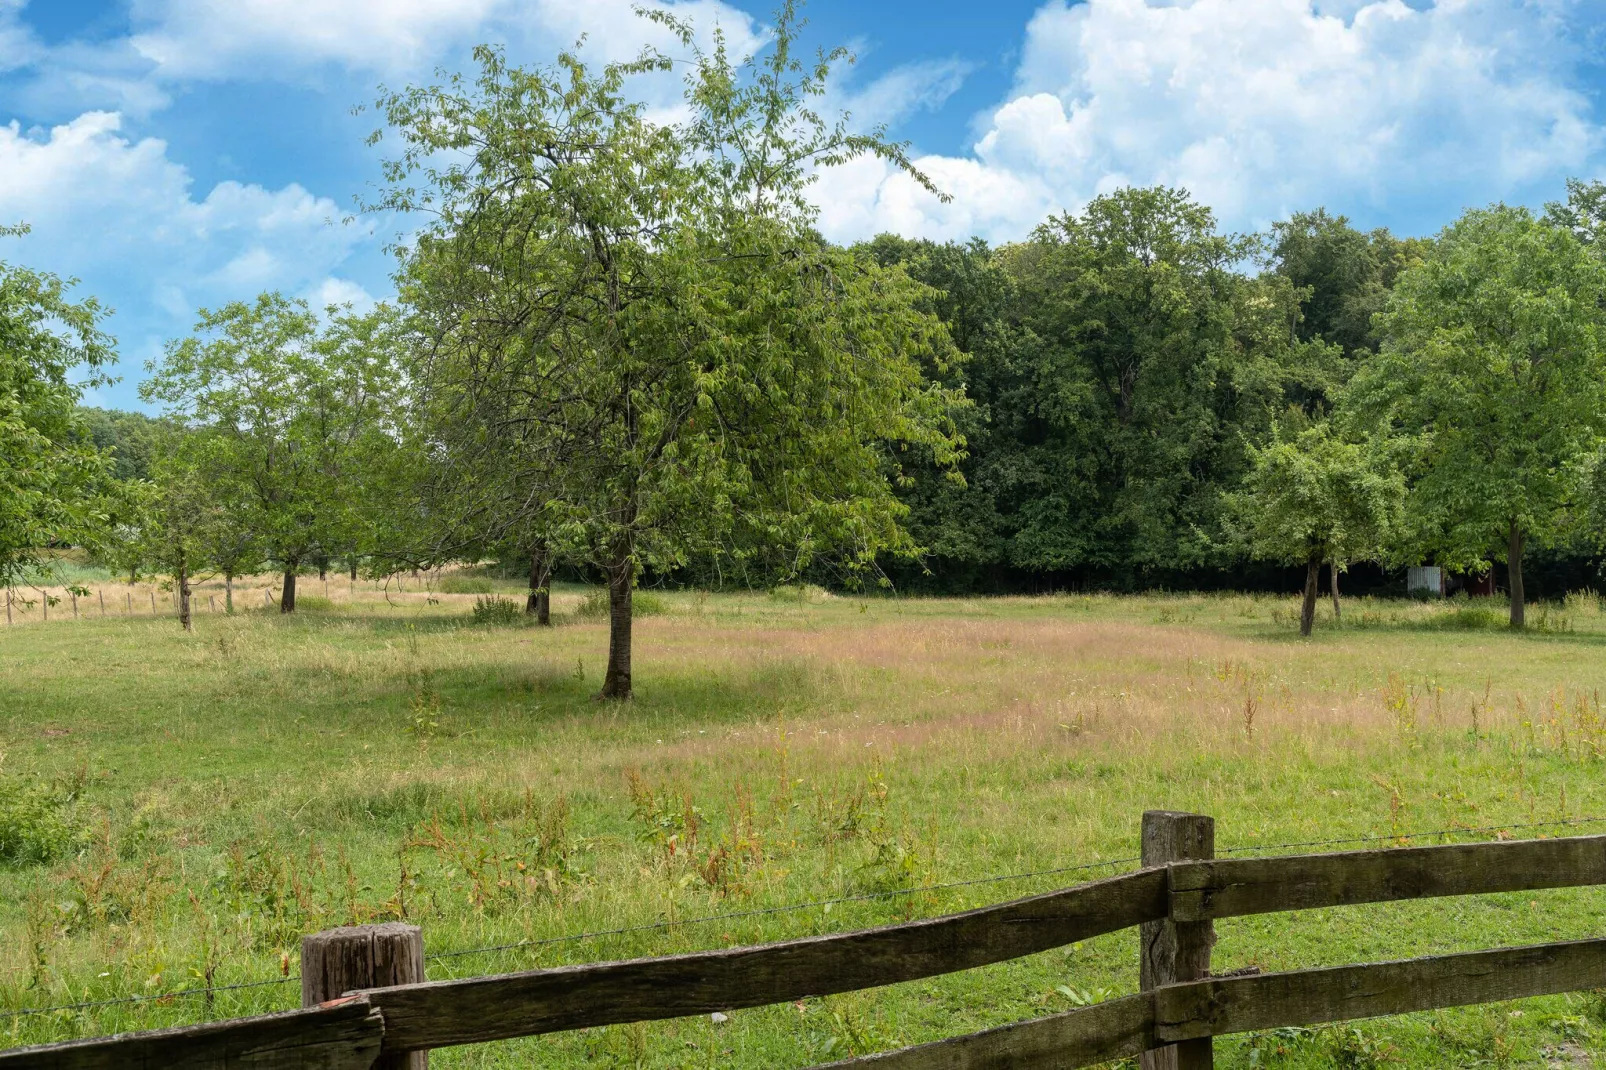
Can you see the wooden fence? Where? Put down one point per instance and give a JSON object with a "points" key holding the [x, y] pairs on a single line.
{"points": [[375, 1021]]}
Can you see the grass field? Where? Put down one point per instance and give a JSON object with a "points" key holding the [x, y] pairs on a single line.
{"points": [[176, 810]]}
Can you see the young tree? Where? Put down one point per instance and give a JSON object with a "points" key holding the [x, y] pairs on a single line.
{"points": [[1493, 371], [281, 406], [643, 320], [53, 480], [179, 513], [1313, 499]]}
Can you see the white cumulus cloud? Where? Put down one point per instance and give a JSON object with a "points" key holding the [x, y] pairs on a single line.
{"points": [[120, 214], [1259, 107], [189, 38]]}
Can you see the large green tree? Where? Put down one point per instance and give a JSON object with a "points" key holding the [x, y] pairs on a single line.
{"points": [[641, 319], [1147, 362], [1493, 371], [53, 479]]}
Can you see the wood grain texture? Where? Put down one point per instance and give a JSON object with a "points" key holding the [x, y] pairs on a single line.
{"points": [[469, 1011], [1337, 993], [1169, 950], [337, 961], [1235, 887], [1217, 1006], [343, 1037]]}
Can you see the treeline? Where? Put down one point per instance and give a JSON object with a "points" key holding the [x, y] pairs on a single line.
{"points": [[621, 346], [1130, 363]]}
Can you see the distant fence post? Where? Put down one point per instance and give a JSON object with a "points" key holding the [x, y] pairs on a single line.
{"points": [[1171, 950], [337, 961]]}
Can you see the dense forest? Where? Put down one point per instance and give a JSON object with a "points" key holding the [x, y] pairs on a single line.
{"points": [[1124, 362]]}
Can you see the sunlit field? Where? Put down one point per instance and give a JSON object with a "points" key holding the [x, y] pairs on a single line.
{"points": [[177, 810]]}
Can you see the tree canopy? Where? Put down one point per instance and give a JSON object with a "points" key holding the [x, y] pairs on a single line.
{"points": [[53, 478], [1492, 370]]}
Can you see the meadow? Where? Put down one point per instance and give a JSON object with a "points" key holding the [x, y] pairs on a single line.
{"points": [[177, 810]]}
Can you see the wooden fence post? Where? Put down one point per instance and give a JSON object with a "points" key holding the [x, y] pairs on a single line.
{"points": [[337, 961], [153, 601], [102, 603], [74, 604], [1170, 950]]}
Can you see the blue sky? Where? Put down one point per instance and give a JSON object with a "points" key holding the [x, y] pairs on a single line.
{"points": [[174, 154]]}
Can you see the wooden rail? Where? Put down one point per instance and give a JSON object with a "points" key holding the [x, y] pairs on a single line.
{"points": [[1174, 902]]}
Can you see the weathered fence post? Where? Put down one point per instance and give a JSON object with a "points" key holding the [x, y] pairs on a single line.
{"points": [[153, 601], [1176, 951], [337, 961], [74, 604], [102, 602]]}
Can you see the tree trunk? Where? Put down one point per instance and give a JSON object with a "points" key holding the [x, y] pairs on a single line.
{"points": [[228, 592], [1307, 613], [621, 578], [183, 578], [1514, 569], [287, 598], [1333, 583], [323, 569], [353, 568], [539, 604]]}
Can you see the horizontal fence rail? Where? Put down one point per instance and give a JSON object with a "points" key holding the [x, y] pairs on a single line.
{"points": [[1121, 1028], [1174, 898], [441, 1013]]}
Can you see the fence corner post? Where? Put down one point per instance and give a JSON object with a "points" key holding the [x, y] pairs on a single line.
{"points": [[337, 961], [1176, 951]]}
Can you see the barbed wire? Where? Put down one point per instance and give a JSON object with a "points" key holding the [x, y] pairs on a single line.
{"points": [[789, 908], [154, 997], [708, 919], [1420, 834]]}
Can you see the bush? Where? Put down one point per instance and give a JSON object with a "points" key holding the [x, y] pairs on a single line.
{"points": [[1471, 618], [466, 585], [643, 604], [497, 612], [37, 823], [313, 603]]}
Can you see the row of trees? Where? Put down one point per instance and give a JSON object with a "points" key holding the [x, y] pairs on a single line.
{"points": [[620, 344], [1145, 406]]}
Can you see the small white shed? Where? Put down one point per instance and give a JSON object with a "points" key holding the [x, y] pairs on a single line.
{"points": [[1425, 579]]}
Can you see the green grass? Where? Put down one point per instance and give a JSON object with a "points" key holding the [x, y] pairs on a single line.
{"points": [[198, 802]]}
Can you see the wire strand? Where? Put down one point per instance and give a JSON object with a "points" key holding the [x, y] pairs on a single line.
{"points": [[790, 908], [813, 904], [153, 998], [1559, 822]]}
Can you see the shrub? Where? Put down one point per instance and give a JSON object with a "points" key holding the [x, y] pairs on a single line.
{"points": [[466, 585], [644, 604], [1470, 618], [37, 822], [497, 612]]}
